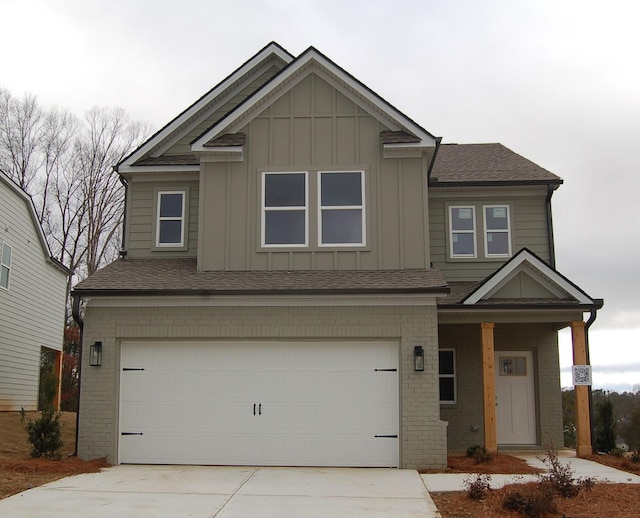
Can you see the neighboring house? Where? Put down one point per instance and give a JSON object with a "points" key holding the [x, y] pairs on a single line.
{"points": [[33, 295], [310, 278]]}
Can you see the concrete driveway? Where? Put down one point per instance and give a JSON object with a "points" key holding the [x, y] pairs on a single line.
{"points": [[227, 492]]}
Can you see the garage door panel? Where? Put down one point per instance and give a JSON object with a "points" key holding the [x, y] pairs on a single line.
{"points": [[316, 404]]}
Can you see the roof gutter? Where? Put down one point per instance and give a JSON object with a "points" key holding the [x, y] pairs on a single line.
{"points": [[75, 312]]}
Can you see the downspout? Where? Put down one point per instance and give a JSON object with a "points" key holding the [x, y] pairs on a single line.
{"points": [[125, 184], [75, 312], [552, 248]]}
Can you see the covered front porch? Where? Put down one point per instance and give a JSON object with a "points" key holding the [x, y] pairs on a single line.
{"points": [[499, 362]]}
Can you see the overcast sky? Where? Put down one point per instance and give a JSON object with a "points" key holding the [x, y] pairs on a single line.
{"points": [[556, 81]]}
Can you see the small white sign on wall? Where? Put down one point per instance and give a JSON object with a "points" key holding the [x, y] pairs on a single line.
{"points": [[581, 375]]}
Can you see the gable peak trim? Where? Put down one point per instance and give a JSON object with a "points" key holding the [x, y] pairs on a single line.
{"points": [[539, 270]]}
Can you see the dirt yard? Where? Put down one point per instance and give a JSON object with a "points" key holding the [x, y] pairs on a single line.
{"points": [[19, 472], [601, 501]]}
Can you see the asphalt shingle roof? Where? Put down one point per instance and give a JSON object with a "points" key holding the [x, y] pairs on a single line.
{"points": [[155, 276], [479, 163]]}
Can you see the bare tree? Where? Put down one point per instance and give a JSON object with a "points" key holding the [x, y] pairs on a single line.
{"points": [[21, 128], [109, 137], [66, 166]]}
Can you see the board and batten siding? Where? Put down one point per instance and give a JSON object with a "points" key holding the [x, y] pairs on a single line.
{"points": [[32, 311], [313, 127], [141, 214], [529, 229]]}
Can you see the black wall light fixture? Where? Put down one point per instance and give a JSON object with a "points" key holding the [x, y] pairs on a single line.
{"points": [[95, 354], [418, 358]]}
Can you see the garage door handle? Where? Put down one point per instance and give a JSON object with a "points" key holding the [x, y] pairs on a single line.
{"points": [[260, 409], [254, 409], [386, 436]]}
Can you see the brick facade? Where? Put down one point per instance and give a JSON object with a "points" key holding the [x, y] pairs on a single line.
{"points": [[423, 441]]}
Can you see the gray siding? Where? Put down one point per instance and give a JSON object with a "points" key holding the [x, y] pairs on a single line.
{"points": [[528, 220], [423, 435], [313, 127], [141, 215], [32, 310], [468, 411]]}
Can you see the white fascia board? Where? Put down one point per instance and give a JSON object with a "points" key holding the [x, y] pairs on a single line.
{"points": [[291, 71], [511, 269], [270, 50], [158, 169]]}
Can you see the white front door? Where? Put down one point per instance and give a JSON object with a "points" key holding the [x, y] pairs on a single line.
{"points": [[260, 403], [515, 398]]}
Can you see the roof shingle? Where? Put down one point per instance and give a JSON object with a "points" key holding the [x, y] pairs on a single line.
{"points": [[480, 163], [134, 276]]}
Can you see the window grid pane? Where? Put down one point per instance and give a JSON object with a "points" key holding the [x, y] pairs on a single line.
{"points": [[170, 230], [463, 233], [341, 200], [284, 209], [497, 231], [447, 375]]}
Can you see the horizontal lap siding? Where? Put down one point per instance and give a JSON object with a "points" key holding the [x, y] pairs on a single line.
{"points": [[31, 312], [140, 238], [529, 229]]}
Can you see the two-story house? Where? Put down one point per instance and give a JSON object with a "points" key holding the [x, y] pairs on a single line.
{"points": [[33, 296], [310, 278]]}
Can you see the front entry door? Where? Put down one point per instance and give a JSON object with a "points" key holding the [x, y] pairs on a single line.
{"points": [[515, 398]]}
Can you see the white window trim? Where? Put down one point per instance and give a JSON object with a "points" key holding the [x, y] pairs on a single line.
{"points": [[455, 381], [342, 207], [473, 232], [181, 244], [487, 230], [7, 266], [263, 211]]}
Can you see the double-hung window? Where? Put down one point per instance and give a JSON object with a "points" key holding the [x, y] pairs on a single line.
{"points": [[447, 375], [462, 223], [170, 228], [497, 231], [284, 209], [341, 220], [5, 265]]}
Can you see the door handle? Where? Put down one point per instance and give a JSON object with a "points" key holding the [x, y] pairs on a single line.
{"points": [[260, 409], [254, 409]]}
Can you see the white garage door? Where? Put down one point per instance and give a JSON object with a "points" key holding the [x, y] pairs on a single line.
{"points": [[259, 403]]}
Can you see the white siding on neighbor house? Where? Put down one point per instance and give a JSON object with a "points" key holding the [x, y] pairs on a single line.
{"points": [[31, 311]]}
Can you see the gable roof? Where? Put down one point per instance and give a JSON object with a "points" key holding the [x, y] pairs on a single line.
{"points": [[21, 194], [486, 164], [312, 59], [271, 52], [181, 277], [558, 290]]}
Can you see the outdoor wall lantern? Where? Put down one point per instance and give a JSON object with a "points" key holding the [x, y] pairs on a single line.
{"points": [[95, 354], [418, 358]]}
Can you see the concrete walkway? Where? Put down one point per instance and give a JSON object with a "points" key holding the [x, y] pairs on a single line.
{"points": [[228, 492], [447, 482]]}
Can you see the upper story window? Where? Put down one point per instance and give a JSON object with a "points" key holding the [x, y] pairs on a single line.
{"points": [[5, 265], [447, 375], [284, 209], [170, 227], [462, 221], [341, 220], [497, 231]]}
